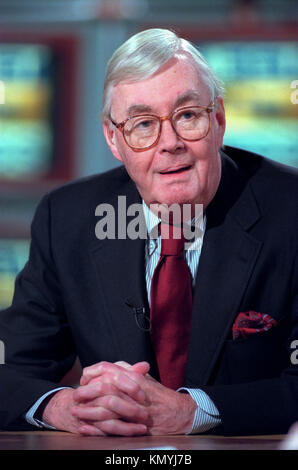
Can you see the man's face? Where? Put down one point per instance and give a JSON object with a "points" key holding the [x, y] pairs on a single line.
{"points": [[174, 170]]}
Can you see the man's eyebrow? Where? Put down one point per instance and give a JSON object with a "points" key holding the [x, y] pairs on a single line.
{"points": [[138, 109], [191, 95]]}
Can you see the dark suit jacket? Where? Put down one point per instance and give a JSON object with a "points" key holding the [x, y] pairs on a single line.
{"points": [[72, 296]]}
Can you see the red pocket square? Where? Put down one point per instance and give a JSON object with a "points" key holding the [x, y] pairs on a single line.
{"points": [[251, 322]]}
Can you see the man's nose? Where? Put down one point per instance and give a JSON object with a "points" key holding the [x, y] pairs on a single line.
{"points": [[169, 140]]}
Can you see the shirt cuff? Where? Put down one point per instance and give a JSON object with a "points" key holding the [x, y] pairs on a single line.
{"points": [[30, 413], [206, 415]]}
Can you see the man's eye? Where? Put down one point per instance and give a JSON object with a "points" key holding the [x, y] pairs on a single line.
{"points": [[144, 124], [187, 115]]}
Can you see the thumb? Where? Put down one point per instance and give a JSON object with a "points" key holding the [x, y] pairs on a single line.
{"points": [[141, 367]]}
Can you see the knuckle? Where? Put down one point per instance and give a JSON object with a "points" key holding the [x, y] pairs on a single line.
{"points": [[107, 402], [104, 365], [85, 370], [102, 414], [116, 378], [134, 388], [99, 388], [111, 402], [106, 426], [78, 393]]}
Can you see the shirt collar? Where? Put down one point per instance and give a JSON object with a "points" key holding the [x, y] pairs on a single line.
{"points": [[152, 222], [151, 219]]}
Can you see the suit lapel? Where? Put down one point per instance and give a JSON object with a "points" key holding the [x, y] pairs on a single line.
{"points": [[120, 267], [227, 260]]}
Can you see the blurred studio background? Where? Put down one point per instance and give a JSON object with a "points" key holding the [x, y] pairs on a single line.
{"points": [[53, 55]]}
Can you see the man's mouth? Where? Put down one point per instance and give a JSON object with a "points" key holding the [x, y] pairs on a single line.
{"points": [[171, 171]]}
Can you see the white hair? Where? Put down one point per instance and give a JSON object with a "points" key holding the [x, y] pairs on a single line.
{"points": [[142, 55]]}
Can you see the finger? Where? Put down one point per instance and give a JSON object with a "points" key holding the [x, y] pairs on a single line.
{"points": [[110, 407], [141, 367], [121, 428], [85, 396], [96, 370], [93, 391], [130, 411], [125, 380], [89, 430], [93, 413], [123, 364]]}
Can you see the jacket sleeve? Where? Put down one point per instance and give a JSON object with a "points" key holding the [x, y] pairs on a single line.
{"points": [[37, 342]]}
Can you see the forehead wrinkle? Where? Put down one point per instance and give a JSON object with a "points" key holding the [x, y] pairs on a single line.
{"points": [[187, 96], [190, 95]]}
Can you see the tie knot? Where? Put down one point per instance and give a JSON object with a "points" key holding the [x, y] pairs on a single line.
{"points": [[172, 239]]}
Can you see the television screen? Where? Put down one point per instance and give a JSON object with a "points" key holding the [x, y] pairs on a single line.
{"points": [[38, 107], [13, 256], [261, 116], [26, 110]]}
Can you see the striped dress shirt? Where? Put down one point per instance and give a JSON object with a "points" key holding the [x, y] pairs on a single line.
{"points": [[207, 415]]}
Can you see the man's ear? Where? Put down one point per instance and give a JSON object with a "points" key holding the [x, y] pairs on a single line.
{"points": [[109, 133], [220, 117]]}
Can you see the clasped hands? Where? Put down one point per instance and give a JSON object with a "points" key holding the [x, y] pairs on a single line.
{"points": [[120, 399]]}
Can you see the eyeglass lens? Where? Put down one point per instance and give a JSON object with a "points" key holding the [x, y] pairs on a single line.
{"points": [[189, 123]]}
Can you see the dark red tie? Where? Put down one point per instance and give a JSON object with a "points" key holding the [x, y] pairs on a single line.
{"points": [[171, 306]]}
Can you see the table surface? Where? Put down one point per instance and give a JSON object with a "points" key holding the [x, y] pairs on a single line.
{"points": [[54, 440]]}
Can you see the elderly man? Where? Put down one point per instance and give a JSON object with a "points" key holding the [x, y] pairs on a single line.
{"points": [[171, 340]]}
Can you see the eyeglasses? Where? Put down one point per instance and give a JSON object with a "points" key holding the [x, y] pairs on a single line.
{"points": [[142, 132]]}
